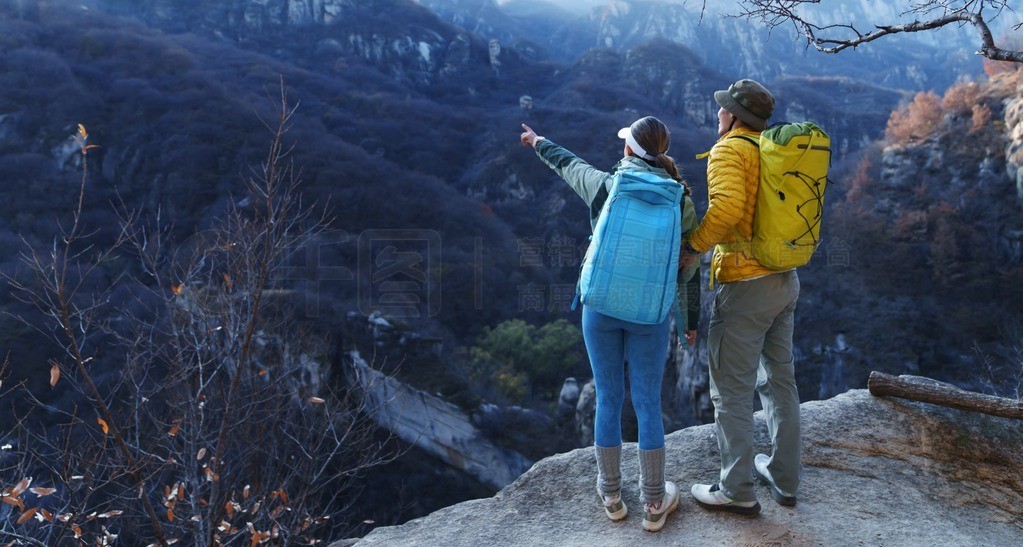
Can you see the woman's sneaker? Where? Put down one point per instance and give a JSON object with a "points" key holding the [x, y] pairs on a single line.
{"points": [[655, 513], [710, 496], [613, 506]]}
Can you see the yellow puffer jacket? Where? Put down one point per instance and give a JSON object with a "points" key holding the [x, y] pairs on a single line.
{"points": [[733, 169]]}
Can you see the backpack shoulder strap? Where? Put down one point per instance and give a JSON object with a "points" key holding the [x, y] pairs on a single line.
{"points": [[598, 203], [748, 138]]}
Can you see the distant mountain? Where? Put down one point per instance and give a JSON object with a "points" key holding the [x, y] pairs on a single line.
{"points": [[738, 48]]}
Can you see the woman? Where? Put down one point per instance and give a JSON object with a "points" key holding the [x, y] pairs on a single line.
{"points": [[611, 342]]}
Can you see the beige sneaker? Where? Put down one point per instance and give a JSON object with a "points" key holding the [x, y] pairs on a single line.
{"points": [[614, 507], [655, 513]]}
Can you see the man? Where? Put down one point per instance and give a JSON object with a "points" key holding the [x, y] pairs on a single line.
{"points": [[750, 339]]}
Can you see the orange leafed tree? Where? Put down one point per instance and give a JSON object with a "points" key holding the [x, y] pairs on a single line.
{"points": [[917, 120]]}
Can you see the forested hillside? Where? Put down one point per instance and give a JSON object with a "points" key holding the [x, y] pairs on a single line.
{"points": [[405, 140]]}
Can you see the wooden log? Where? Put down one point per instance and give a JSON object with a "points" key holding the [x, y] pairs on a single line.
{"points": [[926, 390]]}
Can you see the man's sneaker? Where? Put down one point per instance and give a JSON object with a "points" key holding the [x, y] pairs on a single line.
{"points": [[655, 513], [711, 497], [761, 469], [613, 506]]}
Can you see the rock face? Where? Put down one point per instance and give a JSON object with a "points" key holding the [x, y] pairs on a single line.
{"points": [[876, 472], [400, 36], [438, 427]]}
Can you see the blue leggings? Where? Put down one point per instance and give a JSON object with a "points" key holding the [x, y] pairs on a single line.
{"points": [[611, 342]]}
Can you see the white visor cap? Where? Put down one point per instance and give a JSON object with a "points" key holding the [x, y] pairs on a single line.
{"points": [[627, 134]]}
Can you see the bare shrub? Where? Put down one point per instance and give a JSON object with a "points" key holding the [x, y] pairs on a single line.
{"points": [[217, 421]]}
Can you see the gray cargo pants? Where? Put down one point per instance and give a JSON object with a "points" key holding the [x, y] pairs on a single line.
{"points": [[750, 347]]}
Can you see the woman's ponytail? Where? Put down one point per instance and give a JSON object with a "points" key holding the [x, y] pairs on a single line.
{"points": [[669, 165]]}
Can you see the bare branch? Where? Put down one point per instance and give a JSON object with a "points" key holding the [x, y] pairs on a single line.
{"points": [[834, 38], [21, 538]]}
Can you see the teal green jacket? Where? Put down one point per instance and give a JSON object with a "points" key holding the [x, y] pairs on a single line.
{"points": [[593, 186]]}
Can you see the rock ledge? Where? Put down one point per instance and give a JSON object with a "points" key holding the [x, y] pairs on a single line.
{"points": [[877, 472]]}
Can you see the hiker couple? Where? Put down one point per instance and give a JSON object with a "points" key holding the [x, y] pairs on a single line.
{"points": [[750, 336]]}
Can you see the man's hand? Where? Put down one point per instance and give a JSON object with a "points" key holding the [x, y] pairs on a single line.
{"points": [[529, 137]]}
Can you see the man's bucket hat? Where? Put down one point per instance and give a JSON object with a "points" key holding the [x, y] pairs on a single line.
{"points": [[748, 101]]}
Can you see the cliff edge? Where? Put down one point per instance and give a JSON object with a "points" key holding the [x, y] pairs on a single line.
{"points": [[876, 472]]}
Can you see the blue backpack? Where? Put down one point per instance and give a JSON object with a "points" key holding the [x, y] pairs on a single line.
{"points": [[630, 269]]}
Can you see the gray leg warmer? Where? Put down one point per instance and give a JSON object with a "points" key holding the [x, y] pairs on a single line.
{"points": [[609, 478], [652, 475]]}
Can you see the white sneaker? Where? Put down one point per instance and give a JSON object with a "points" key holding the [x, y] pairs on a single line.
{"points": [[761, 469], [614, 506], [655, 513], [710, 496]]}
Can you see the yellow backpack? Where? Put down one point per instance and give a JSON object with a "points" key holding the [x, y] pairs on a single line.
{"points": [[795, 158]]}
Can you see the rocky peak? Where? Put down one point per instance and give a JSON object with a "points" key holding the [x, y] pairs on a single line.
{"points": [[876, 471]]}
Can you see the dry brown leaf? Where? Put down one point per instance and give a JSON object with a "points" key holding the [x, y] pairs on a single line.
{"points": [[170, 515], [174, 430], [201, 454], [11, 499], [245, 492], [77, 529], [109, 514], [54, 375], [103, 425], [27, 515], [316, 400], [176, 289], [42, 491], [45, 515], [20, 488]]}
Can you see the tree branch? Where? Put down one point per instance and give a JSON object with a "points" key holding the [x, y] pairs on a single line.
{"points": [[21, 538], [927, 390], [773, 13]]}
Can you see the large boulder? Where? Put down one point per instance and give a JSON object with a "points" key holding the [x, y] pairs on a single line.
{"points": [[877, 472]]}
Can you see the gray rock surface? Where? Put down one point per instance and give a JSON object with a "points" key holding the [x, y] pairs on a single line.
{"points": [[438, 427], [877, 472]]}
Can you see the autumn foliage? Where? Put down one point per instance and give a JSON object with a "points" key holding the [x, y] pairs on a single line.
{"points": [[916, 121]]}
